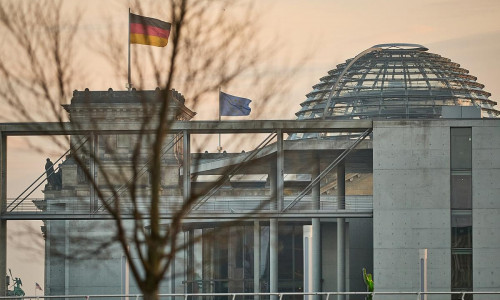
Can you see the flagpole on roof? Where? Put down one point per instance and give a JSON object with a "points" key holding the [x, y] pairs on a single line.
{"points": [[219, 148], [129, 83]]}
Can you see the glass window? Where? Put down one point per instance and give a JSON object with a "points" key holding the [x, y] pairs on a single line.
{"points": [[461, 269], [108, 142], [461, 229], [461, 191], [459, 297], [461, 148], [122, 141]]}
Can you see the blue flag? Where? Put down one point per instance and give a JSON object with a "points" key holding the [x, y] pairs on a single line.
{"points": [[230, 105]]}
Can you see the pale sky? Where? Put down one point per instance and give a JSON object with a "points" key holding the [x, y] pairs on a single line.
{"points": [[467, 32]]}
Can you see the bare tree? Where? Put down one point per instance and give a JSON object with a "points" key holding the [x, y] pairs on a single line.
{"points": [[207, 49]]}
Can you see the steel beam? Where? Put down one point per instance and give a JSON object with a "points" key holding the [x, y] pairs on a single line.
{"points": [[193, 127], [299, 215]]}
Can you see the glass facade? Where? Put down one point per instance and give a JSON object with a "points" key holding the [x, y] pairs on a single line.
{"points": [[223, 259], [461, 190], [461, 210]]}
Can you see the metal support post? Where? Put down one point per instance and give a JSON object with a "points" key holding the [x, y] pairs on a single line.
{"points": [[172, 276], [341, 185], [3, 205], [93, 171], [423, 273], [280, 158], [316, 234], [341, 287], [273, 205], [275, 182], [256, 258], [125, 276], [190, 262], [315, 191], [95, 150], [186, 166], [274, 175], [273, 257]]}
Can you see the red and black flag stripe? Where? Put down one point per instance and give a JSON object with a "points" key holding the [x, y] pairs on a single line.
{"points": [[148, 31]]}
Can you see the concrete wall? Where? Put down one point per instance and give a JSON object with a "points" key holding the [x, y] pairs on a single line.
{"points": [[411, 205], [486, 208]]}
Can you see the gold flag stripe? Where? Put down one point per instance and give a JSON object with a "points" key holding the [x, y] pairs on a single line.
{"points": [[148, 40]]}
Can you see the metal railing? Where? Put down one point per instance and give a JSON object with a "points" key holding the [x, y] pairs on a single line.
{"points": [[19, 200], [280, 296], [79, 205]]}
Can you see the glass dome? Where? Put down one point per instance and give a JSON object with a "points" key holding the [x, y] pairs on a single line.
{"points": [[395, 81]]}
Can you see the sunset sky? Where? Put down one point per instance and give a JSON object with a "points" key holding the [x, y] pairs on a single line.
{"points": [[326, 31]]}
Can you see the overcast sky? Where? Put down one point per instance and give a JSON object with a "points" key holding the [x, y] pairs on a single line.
{"points": [[467, 32]]}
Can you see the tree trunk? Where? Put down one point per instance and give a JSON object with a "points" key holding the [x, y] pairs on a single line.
{"points": [[151, 295]]}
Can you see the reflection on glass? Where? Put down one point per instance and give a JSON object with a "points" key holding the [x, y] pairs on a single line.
{"points": [[222, 260], [461, 270], [461, 148], [461, 191], [461, 229]]}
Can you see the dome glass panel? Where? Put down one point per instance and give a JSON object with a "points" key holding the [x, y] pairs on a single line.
{"points": [[395, 81]]}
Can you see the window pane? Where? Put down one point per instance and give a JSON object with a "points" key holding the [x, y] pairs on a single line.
{"points": [[461, 148], [459, 297], [461, 270], [461, 192], [461, 229], [122, 141]]}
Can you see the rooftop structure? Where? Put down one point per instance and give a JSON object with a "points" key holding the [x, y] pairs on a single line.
{"points": [[395, 81]]}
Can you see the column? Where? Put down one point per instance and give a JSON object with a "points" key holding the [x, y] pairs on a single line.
{"points": [[172, 275], [186, 166], [190, 262], [256, 258], [341, 230], [276, 185], [280, 158], [3, 205], [273, 257], [316, 233], [422, 254], [93, 171], [95, 150]]}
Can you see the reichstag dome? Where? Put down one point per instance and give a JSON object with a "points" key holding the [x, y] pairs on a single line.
{"points": [[395, 81]]}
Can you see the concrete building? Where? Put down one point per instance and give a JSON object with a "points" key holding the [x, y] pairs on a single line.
{"points": [[415, 191]]}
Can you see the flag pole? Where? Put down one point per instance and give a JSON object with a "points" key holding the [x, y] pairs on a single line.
{"points": [[219, 148], [129, 84]]}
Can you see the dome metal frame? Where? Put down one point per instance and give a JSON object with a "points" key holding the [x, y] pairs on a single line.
{"points": [[397, 80]]}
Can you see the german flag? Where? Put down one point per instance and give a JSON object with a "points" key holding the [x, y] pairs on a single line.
{"points": [[148, 31]]}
